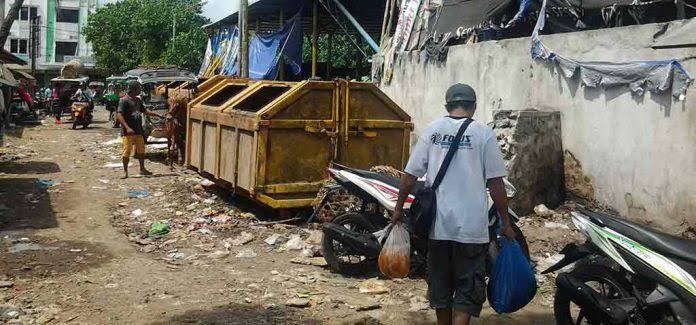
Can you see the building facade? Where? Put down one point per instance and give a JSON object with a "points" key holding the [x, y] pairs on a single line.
{"points": [[60, 38]]}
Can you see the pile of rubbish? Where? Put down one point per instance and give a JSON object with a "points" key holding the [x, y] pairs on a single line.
{"points": [[340, 201]]}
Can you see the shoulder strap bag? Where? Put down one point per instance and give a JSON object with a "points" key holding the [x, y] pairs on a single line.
{"points": [[424, 207]]}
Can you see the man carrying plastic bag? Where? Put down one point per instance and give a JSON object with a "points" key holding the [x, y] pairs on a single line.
{"points": [[460, 158]]}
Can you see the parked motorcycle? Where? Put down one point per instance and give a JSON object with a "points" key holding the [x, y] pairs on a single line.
{"points": [[625, 273], [82, 114], [350, 244], [20, 112]]}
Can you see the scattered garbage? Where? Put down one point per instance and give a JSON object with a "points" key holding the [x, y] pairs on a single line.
{"points": [[175, 256], [297, 302], [273, 239], [46, 183], [6, 284], [206, 183], [555, 225], [313, 261], [158, 228], [112, 142], [512, 284], [31, 198], [373, 286], [137, 193], [542, 211], [218, 254], [104, 181], [295, 243], [242, 239], [117, 165], [246, 253], [137, 213], [394, 259], [247, 215], [418, 303]]}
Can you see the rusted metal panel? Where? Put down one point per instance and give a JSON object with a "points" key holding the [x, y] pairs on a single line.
{"points": [[273, 140]]}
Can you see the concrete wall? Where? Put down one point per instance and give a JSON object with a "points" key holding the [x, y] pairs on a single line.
{"points": [[639, 152]]}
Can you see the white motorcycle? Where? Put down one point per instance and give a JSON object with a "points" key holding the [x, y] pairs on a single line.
{"points": [[349, 243], [625, 274]]}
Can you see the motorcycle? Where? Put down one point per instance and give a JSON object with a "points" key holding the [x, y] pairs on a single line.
{"points": [[350, 243], [20, 112], [625, 273], [81, 113]]}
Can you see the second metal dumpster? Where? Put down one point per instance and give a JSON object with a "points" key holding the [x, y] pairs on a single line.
{"points": [[274, 140]]}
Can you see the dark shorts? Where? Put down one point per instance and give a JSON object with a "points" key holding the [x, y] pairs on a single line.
{"points": [[457, 275]]}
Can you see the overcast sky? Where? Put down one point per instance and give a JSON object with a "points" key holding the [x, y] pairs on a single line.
{"points": [[213, 9]]}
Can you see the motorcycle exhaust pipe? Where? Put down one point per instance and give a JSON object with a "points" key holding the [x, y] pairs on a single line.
{"points": [[599, 307], [363, 244]]}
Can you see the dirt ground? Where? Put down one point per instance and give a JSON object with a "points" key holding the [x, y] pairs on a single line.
{"points": [[75, 249]]}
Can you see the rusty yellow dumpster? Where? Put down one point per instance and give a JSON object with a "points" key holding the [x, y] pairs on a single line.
{"points": [[273, 140]]}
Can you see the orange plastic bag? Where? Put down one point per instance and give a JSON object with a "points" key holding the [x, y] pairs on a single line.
{"points": [[395, 258]]}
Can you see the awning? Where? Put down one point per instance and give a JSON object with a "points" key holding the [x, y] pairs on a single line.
{"points": [[6, 77], [7, 57], [23, 74]]}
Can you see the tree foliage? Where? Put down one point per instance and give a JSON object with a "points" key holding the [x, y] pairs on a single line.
{"points": [[344, 54], [129, 33]]}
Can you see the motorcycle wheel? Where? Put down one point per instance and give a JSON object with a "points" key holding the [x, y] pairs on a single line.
{"points": [[601, 278], [338, 257], [76, 121], [113, 120]]}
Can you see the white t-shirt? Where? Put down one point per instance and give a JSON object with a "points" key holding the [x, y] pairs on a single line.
{"points": [[462, 201]]}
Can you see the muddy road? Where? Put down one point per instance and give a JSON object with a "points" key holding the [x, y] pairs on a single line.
{"points": [[73, 249]]}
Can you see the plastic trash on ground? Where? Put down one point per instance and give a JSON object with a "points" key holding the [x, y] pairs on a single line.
{"points": [[395, 257], [512, 284], [158, 228]]}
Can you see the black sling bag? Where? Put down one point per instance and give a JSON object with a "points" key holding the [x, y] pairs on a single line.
{"points": [[424, 207]]}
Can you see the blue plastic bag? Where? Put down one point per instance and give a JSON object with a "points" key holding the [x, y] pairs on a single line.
{"points": [[512, 284]]}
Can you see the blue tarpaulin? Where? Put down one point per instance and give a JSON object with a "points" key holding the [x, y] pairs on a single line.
{"points": [[266, 49], [655, 76]]}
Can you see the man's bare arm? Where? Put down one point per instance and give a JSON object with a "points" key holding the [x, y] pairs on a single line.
{"points": [[496, 188], [406, 185], [122, 121]]}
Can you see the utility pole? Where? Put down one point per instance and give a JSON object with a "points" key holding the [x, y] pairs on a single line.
{"points": [[315, 36], [281, 60], [244, 48], [173, 30], [34, 34]]}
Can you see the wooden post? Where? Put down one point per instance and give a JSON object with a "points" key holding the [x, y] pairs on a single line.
{"points": [[387, 30], [329, 56], [681, 10], [387, 5], [281, 61], [315, 36], [244, 48]]}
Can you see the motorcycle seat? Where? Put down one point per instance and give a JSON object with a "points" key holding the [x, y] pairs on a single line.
{"points": [[391, 181], [669, 245]]}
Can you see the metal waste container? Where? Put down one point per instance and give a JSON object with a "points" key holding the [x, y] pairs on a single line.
{"points": [[273, 140]]}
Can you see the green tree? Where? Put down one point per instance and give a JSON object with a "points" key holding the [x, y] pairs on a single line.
{"points": [[129, 33]]}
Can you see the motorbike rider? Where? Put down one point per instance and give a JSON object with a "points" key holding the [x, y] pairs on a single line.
{"points": [[458, 240]]}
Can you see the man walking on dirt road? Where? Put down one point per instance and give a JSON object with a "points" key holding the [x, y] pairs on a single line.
{"points": [[130, 116], [458, 239]]}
